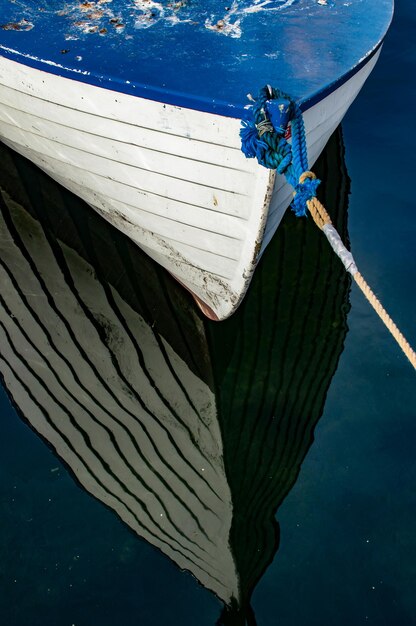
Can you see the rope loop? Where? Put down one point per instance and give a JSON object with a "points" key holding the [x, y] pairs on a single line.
{"points": [[305, 191], [316, 208], [263, 137], [305, 175]]}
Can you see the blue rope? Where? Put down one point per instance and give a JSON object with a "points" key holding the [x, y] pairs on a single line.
{"points": [[265, 141]]}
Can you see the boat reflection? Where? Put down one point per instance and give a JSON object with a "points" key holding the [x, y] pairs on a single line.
{"points": [[192, 432]]}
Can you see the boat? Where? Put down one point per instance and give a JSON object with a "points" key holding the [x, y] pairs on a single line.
{"points": [[192, 432], [137, 106]]}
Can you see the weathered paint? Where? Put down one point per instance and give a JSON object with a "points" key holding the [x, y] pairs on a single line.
{"points": [[165, 166], [174, 180], [203, 55]]}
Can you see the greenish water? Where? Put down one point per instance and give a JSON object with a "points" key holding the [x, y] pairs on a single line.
{"points": [[344, 551]]}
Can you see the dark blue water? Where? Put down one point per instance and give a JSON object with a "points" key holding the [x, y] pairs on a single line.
{"points": [[347, 548]]}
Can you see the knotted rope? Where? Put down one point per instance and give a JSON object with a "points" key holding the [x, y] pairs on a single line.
{"points": [[265, 137]]}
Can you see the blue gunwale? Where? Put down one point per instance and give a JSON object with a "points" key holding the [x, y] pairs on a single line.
{"points": [[305, 48]]}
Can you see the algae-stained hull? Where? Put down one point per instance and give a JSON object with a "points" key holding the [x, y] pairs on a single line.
{"points": [[137, 109]]}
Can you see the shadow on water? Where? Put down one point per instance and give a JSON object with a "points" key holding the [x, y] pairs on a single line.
{"points": [[192, 432]]}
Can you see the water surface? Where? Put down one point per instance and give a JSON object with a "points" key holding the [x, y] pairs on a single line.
{"points": [[344, 549]]}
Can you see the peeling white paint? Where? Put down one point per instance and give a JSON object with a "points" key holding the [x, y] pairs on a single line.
{"points": [[101, 17], [21, 25], [225, 24]]}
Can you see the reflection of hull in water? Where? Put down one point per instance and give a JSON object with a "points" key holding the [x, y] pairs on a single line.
{"points": [[136, 426], [286, 347], [192, 432]]}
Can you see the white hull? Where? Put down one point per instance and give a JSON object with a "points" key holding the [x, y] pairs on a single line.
{"points": [[174, 180]]}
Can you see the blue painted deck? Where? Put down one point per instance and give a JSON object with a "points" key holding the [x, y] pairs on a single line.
{"points": [[204, 55]]}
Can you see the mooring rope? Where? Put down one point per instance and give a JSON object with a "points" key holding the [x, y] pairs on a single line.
{"points": [[265, 137], [321, 218]]}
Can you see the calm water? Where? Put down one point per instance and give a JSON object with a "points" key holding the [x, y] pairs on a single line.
{"points": [[346, 549]]}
